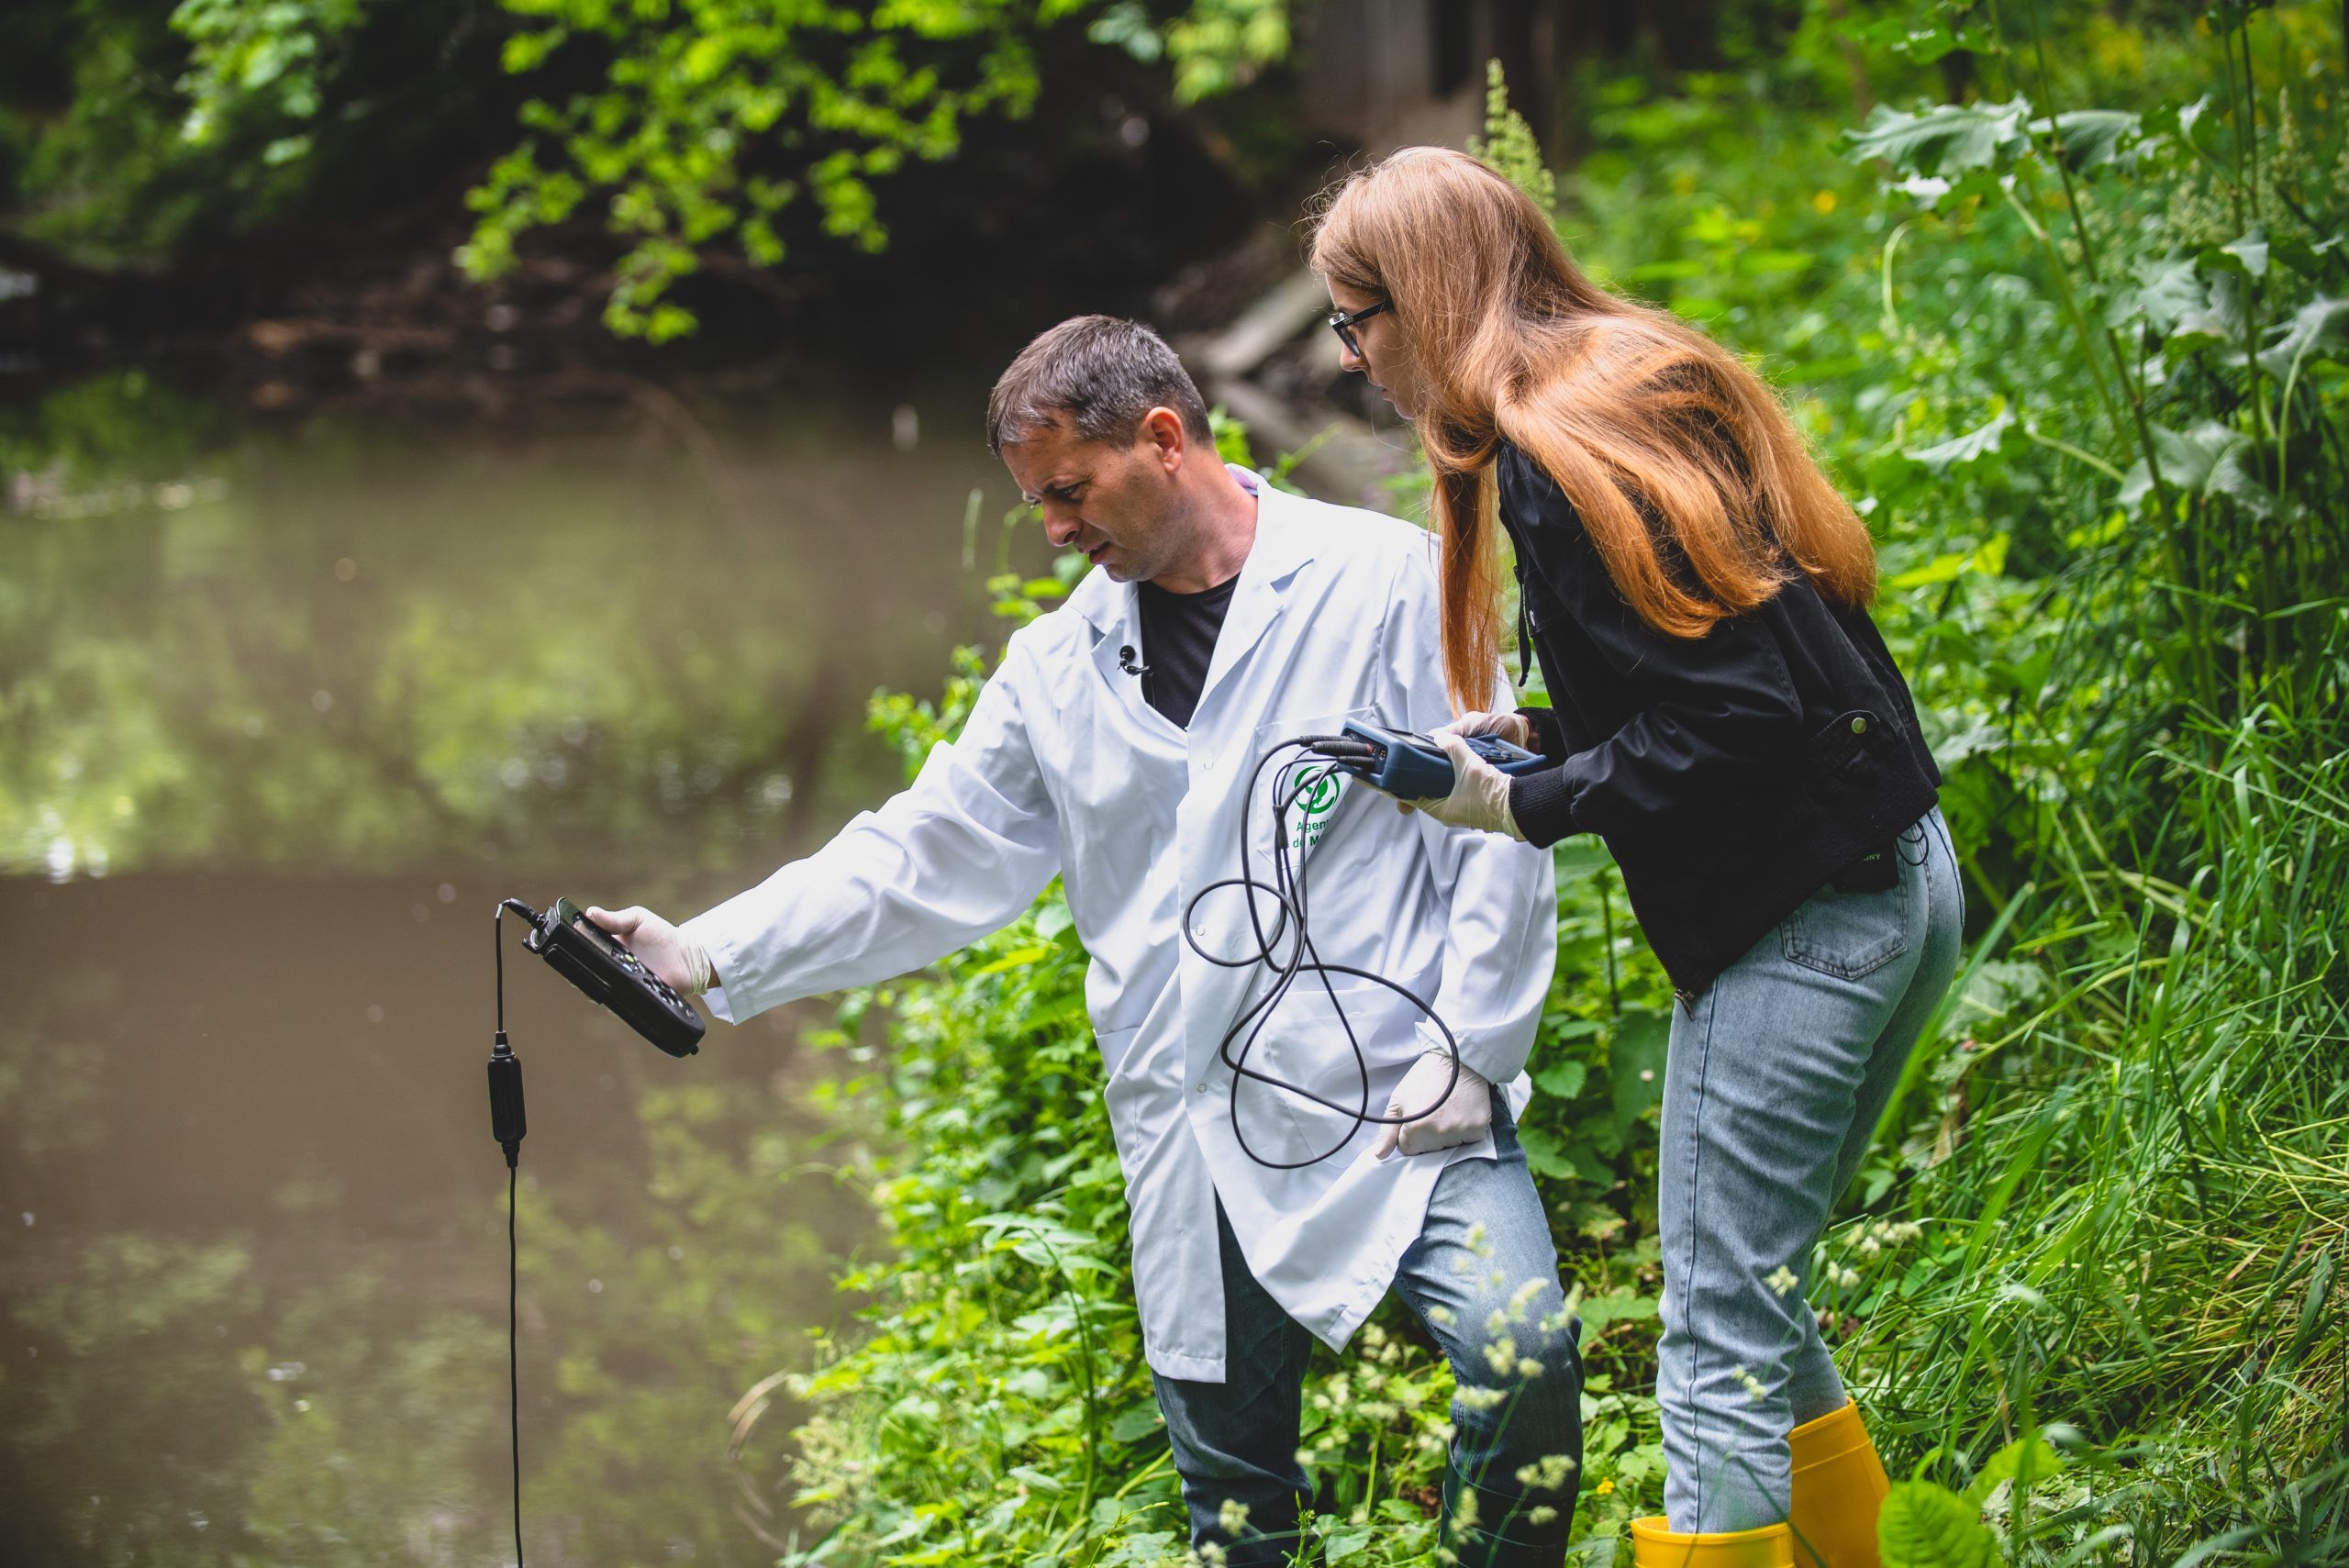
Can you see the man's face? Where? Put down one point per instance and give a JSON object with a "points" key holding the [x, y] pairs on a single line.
{"points": [[1118, 503]]}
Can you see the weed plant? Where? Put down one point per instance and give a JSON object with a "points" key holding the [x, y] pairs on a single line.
{"points": [[2075, 340]]}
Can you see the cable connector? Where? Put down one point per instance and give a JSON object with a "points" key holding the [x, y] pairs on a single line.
{"points": [[507, 1121]]}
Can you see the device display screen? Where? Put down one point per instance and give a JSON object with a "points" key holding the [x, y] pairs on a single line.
{"points": [[597, 934]]}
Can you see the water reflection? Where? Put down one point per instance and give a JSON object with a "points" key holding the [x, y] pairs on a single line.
{"points": [[358, 651], [285, 714]]}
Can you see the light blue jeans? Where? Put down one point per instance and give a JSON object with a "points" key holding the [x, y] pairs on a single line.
{"points": [[1483, 1270], [1776, 1078]]}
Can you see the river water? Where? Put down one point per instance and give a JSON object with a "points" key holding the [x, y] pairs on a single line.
{"points": [[283, 711]]}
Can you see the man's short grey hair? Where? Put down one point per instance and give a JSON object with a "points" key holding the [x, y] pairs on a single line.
{"points": [[1099, 374]]}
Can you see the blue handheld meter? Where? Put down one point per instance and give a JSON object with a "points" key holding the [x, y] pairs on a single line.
{"points": [[1411, 766]]}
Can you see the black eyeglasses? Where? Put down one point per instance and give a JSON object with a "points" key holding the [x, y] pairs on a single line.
{"points": [[1343, 324]]}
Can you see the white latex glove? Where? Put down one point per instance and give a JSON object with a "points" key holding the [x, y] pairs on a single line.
{"points": [[1510, 727], [1479, 797], [1463, 1117], [667, 952]]}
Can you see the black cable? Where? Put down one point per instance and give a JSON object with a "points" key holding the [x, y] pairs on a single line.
{"points": [[513, 1350], [497, 945], [508, 1125], [1294, 780]]}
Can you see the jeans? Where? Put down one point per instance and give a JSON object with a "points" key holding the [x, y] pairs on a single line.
{"points": [[1775, 1080], [1483, 1276]]}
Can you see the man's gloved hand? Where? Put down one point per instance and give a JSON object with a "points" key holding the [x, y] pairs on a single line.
{"points": [[1479, 797], [667, 952], [1512, 728], [1463, 1117]]}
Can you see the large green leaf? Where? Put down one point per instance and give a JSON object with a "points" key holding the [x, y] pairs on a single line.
{"points": [[1923, 1526], [1563, 1079], [2206, 460], [1920, 41], [1545, 1155], [1549, 1155], [2216, 326], [2092, 138], [2167, 292], [1989, 558], [1950, 139], [2224, 16], [2246, 253], [1967, 447], [2317, 325], [1620, 1304], [1138, 1422]]}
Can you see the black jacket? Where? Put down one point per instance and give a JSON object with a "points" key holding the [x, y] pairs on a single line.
{"points": [[1732, 775]]}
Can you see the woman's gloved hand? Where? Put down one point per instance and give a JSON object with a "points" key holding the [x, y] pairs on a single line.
{"points": [[1479, 797], [660, 947], [1466, 1114], [1512, 728]]}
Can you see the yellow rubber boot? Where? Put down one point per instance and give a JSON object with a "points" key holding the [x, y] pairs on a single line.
{"points": [[1655, 1546], [1838, 1490]]}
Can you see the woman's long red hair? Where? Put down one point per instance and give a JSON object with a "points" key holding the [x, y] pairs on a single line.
{"points": [[1695, 486]]}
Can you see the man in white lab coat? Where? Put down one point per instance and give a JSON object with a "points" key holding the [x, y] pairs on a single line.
{"points": [[1117, 746]]}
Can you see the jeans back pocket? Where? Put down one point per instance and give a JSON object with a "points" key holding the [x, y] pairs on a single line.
{"points": [[1847, 935]]}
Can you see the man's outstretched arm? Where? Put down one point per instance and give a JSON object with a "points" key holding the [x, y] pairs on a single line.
{"points": [[957, 855]]}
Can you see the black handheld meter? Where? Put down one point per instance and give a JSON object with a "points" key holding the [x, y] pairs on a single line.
{"points": [[1411, 766], [593, 958]]}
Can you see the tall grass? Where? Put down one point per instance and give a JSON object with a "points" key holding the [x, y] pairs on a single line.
{"points": [[2136, 1175], [2136, 1198]]}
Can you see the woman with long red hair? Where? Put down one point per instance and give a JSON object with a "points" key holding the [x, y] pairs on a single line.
{"points": [[1727, 718]]}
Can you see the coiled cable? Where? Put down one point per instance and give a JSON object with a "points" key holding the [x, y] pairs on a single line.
{"points": [[1295, 779]]}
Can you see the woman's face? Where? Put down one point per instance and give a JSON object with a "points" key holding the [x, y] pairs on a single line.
{"points": [[1385, 356]]}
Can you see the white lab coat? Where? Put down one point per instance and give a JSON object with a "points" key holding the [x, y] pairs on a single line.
{"points": [[1063, 768]]}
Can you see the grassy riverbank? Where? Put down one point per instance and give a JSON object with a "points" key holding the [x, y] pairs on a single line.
{"points": [[2076, 345]]}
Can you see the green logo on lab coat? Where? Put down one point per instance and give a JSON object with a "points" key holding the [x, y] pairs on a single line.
{"points": [[1313, 810]]}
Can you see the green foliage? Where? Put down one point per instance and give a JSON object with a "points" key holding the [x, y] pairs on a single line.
{"points": [[2076, 349], [715, 115], [2050, 355], [243, 58], [137, 137], [677, 130], [1508, 146], [113, 180], [1216, 46], [1924, 1526], [1219, 45]]}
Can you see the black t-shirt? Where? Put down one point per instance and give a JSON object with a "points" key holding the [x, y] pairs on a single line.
{"points": [[1178, 633]]}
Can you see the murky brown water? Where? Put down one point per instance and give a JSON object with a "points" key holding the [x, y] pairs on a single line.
{"points": [[281, 717]]}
